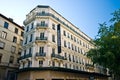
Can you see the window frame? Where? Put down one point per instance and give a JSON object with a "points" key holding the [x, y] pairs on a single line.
{"points": [[6, 25], [11, 59], [1, 55], [41, 49], [4, 34], [13, 49], [16, 30], [53, 38], [53, 26], [14, 39], [2, 44], [22, 33]]}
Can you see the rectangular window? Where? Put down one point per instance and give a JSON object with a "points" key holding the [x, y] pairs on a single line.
{"points": [[26, 40], [15, 39], [0, 58], [30, 50], [41, 35], [53, 63], [27, 29], [31, 36], [65, 44], [71, 37], [16, 30], [21, 42], [32, 25], [69, 45], [80, 42], [22, 33], [76, 59], [69, 57], [4, 34], [0, 33], [75, 39], [53, 38], [68, 35], [11, 60], [41, 50], [53, 26], [65, 55], [72, 46], [2, 44], [13, 49], [29, 63], [76, 48], [40, 63], [83, 44], [24, 52], [43, 12], [64, 33], [42, 23], [65, 65], [6, 24], [19, 51], [73, 58], [53, 51]]}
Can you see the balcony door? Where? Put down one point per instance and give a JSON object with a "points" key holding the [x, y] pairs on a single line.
{"points": [[42, 35], [41, 50]]}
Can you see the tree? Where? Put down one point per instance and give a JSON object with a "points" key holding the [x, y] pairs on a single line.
{"points": [[107, 46]]}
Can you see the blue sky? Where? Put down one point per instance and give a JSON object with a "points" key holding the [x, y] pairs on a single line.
{"points": [[85, 14]]}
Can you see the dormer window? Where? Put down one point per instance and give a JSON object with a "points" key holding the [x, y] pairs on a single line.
{"points": [[43, 12]]}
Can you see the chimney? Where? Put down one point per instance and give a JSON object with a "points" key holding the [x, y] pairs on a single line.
{"points": [[11, 19]]}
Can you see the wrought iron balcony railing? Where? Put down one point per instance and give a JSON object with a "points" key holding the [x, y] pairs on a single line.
{"points": [[40, 54], [41, 38], [58, 56], [89, 65], [25, 56], [39, 25]]}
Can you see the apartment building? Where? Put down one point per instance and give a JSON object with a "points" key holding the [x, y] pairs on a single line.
{"points": [[55, 49], [11, 38]]}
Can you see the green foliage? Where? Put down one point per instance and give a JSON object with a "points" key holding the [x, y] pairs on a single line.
{"points": [[107, 45]]}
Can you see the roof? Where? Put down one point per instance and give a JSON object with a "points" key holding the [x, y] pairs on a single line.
{"points": [[10, 20], [46, 6], [40, 6]]}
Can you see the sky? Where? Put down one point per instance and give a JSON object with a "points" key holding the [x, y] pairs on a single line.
{"points": [[84, 14]]}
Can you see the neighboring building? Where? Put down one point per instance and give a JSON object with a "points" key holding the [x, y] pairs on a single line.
{"points": [[55, 49], [11, 38]]}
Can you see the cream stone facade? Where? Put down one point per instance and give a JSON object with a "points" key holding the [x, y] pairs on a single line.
{"points": [[11, 38], [55, 49]]}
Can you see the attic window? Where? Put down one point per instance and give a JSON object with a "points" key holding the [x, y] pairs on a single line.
{"points": [[43, 12]]}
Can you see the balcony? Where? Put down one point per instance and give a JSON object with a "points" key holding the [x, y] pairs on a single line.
{"points": [[43, 14], [28, 20], [41, 26], [89, 65], [57, 56], [25, 56], [40, 55], [41, 39]]}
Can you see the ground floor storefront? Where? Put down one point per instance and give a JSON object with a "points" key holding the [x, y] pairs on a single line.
{"points": [[58, 74], [7, 73]]}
